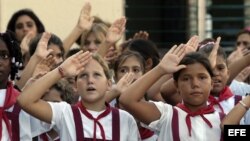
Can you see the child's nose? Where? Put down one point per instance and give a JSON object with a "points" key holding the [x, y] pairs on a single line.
{"points": [[195, 82]]}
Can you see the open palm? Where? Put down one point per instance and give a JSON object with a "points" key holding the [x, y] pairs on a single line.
{"points": [[171, 60]]}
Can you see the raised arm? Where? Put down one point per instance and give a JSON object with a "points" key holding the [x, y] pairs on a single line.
{"points": [[117, 89], [169, 93], [84, 24], [30, 99], [114, 34], [41, 53], [236, 114], [168, 89], [237, 66], [131, 98]]}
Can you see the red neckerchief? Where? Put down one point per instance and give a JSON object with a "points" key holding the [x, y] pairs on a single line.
{"points": [[10, 100], [224, 95], [44, 137], [145, 133], [200, 112], [103, 114]]}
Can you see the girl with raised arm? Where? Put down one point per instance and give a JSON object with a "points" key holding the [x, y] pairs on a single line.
{"points": [[193, 119], [91, 118]]}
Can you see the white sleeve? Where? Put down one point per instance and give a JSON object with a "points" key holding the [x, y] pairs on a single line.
{"points": [[24, 126], [58, 111], [133, 130], [166, 111]]}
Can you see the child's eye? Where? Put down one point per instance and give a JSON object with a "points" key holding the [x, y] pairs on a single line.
{"points": [[137, 70], [30, 25], [97, 42], [19, 26], [123, 70], [203, 77], [97, 74], [221, 68], [83, 75], [4, 56], [185, 79], [86, 43]]}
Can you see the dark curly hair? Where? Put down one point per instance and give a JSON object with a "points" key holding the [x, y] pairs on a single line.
{"points": [[15, 52]]}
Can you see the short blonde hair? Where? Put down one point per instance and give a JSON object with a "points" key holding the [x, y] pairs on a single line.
{"points": [[98, 29]]}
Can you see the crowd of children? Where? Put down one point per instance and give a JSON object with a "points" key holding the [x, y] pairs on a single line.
{"points": [[104, 91]]}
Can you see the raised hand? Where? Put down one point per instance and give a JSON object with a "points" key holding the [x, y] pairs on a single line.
{"points": [[213, 55], [170, 61], [192, 44], [242, 76], [25, 42], [124, 82], [116, 30], [75, 64], [85, 20], [42, 50], [45, 65], [141, 35], [111, 55]]}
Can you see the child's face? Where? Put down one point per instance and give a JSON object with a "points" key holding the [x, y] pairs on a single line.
{"points": [[131, 64], [5, 66], [92, 43], [221, 75], [194, 85], [57, 53], [24, 24], [243, 41], [92, 83]]}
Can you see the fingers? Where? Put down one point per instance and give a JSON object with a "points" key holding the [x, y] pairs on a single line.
{"points": [[86, 9], [193, 41], [172, 49], [120, 24], [127, 79], [178, 50], [45, 38], [217, 43], [141, 35], [84, 57], [50, 61]]}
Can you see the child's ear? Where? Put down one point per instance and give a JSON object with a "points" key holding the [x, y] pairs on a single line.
{"points": [[109, 83], [149, 64]]}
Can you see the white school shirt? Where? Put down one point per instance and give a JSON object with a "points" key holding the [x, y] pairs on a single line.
{"points": [[63, 121], [239, 88], [24, 122], [200, 130], [228, 105], [39, 127]]}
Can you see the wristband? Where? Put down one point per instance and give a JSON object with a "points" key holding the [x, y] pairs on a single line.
{"points": [[60, 70], [243, 105]]}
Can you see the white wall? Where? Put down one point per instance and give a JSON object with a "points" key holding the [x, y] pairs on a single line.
{"points": [[60, 16]]}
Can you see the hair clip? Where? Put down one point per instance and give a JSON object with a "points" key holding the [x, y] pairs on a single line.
{"points": [[13, 60], [247, 29], [20, 65], [208, 43]]}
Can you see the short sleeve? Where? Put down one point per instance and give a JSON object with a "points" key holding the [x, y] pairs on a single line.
{"points": [[166, 111]]}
